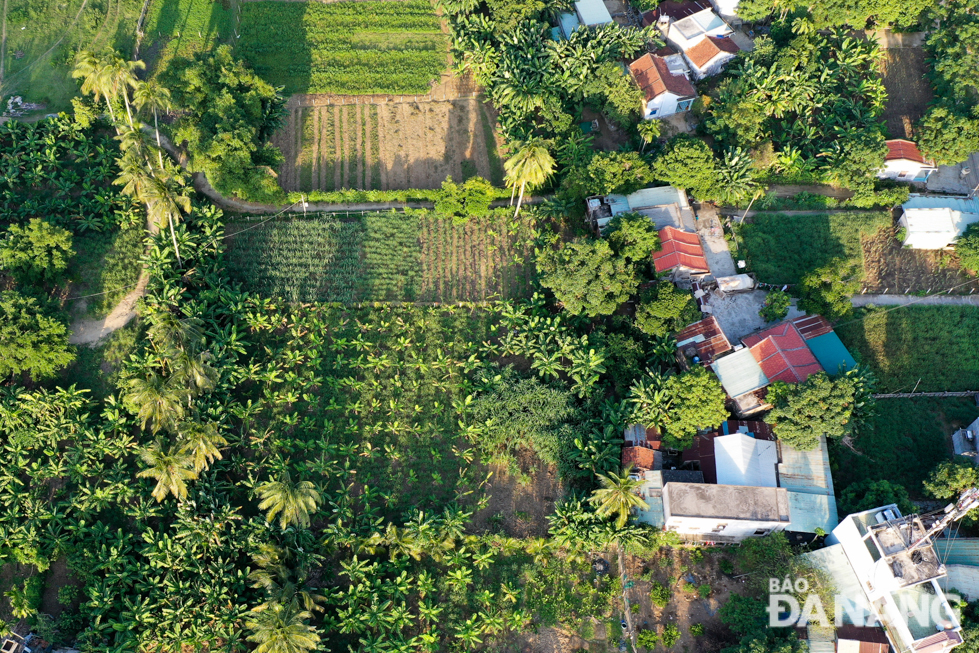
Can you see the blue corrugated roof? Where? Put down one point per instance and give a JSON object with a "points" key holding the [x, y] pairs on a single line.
{"points": [[958, 551], [831, 353], [812, 511]]}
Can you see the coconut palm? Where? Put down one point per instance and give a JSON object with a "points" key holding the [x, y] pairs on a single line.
{"points": [[165, 199], [170, 468], [201, 442], [93, 72], [617, 496], [278, 628], [155, 400], [155, 97], [292, 501], [120, 75], [531, 165]]}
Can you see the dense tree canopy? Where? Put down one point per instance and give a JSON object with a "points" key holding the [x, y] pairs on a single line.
{"points": [[869, 494], [665, 309], [30, 341], [633, 237], [38, 251], [679, 405], [586, 277], [820, 406]]}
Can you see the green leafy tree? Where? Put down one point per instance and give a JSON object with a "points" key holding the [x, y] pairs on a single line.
{"points": [[647, 639], [771, 643], [665, 309], [805, 411], [688, 163], [617, 496], [170, 468], [950, 478], [744, 615], [632, 236], [735, 182], [967, 248], [278, 628], [869, 494], [586, 277], [827, 290], [776, 306], [617, 172], [30, 341], [671, 635], [471, 199], [679, 405], [291, 500], [38, 251], [946, 136], [227, 116]]}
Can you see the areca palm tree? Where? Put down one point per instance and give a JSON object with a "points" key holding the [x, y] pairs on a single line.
{"points": [[278, 628], [93, 72], [201, 442], [170, 468], [617, 496], [292, 501], [531, 165], [155, 400], [155, 97]]}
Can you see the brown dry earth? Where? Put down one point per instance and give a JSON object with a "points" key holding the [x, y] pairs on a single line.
{"points": [[888, 266], [386, 142], [908, 91]]}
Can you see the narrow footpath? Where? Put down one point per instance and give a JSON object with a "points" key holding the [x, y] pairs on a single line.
{"points": [[905, 300]]}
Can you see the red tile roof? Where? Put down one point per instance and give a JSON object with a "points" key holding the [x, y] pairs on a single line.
{"points": [[714, 341], [704, 52], [674, 10], [679, 248], [653, 76], [812, 326], [901, 149], [638, 457], [783, 354]]}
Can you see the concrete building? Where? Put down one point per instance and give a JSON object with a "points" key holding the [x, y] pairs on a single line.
{"points": [[882, 563], [724, 513], [936, 222], [592, 13]]}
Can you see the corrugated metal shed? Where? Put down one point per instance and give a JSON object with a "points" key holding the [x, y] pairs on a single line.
{"points": [[831, 353], [739, 373], [592, 12], [806, 471], [650, 197], [812, 511], [833, 561], [652, 493], [743, 460]]}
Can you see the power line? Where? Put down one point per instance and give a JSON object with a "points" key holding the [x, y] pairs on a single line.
{"points": [[132, 285], [254, 226], [914, 301]]}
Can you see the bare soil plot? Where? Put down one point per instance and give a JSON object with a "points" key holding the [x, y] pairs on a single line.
{"points": [[908, 92], [890, 267], [388, 142]]}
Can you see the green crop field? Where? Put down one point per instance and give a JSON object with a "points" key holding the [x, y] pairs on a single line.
{"points": [[782, 248], [344, 47], [937, 344], [414, 256], [43, 35], [181, 28]]}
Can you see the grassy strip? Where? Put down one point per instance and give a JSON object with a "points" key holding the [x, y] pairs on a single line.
{"points": [[783, 248], [353, 196], [937, 344], [181, 28], [907, 438]]}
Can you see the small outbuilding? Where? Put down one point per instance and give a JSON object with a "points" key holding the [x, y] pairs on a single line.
{"points": [[592, 12], [936, 222], [904, 162], [680, 251]]}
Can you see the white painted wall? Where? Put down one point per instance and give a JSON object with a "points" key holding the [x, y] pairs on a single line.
{"points": [[905, 170], [713, 67]]}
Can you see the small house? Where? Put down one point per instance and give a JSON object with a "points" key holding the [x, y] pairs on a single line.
{"points": [[710, 55], [904, 162], [936, 222], [592, 13], [705, 338], [665, 87]]}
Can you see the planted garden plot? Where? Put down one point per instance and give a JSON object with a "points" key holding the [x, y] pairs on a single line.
{"points": [[386, 145], [412, 256]]}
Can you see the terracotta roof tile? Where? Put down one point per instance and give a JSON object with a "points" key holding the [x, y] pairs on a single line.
{"points": [[653, 76], [712, 341], [639, 457], [705, 51], [901, 149], [783, 354], [679, 248]]}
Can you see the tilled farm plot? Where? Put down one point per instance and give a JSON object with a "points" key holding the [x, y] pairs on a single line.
{"points": [[385, 143]]}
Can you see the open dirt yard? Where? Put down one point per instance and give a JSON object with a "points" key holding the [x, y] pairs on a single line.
{"points": [[908, 92], [891, 268], [388, 142]]}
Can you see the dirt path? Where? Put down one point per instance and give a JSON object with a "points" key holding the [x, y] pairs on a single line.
{"points": [[91, 331], [816, 189], [906, 300]]}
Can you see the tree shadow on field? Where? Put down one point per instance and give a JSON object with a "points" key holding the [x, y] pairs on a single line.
{"points": [[278, 49]]}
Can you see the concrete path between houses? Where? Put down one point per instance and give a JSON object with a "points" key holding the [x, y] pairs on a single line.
{"points": [[906, 300]]}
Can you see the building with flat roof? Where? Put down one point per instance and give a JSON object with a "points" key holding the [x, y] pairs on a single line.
{"points": [[724, 513], [936, 222]]}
